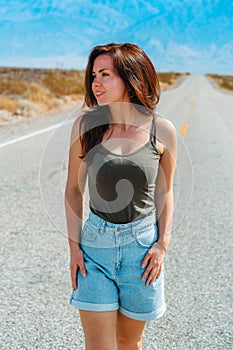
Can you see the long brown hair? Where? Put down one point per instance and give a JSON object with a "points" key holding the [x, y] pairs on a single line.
{"points": [[138, 73]]}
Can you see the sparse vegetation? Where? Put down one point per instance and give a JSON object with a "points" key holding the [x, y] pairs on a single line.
{"points": [[223, 81], [11, 86], [168, 77], [31, 92], [36, 93], [8, 104], [64, 82]]}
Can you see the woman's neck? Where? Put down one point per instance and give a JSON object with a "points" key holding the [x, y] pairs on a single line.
{"points": [[125, 115]]}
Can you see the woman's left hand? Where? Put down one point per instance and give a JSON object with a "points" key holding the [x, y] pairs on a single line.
{"points": [[153, 262]]}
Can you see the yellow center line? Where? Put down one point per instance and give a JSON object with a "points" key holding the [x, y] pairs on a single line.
{"points": [[184, 129], [185, 126]]}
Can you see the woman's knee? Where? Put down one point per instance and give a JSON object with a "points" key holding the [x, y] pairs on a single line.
{"points": [[125, 343], [99, 346]]}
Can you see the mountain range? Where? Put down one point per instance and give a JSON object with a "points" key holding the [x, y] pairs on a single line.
{"points": [[194, 36]]}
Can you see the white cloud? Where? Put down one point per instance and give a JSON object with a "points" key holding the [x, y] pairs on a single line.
{"points": [[183, 51]]}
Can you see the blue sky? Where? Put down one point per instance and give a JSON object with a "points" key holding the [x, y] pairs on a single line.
{"points": [[178, 35]]}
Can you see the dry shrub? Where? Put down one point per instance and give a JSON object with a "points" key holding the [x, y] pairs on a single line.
{"points": [[224, 81], [227, 83], [164, 77], [8, 104], [64, 82], [37, 94], [76, 97], [168, 77], [12, 86]]}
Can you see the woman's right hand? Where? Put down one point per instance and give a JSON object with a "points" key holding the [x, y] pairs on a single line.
{"points": [[76, 262]]}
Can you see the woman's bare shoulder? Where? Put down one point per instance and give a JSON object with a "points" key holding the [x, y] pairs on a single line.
{"points": [[164, 125], [165, 131], [76, 131]]}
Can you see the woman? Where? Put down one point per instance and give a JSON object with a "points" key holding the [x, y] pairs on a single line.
{"points": [[128, 155]]}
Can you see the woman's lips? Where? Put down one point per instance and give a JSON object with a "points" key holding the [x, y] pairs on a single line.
{"points": [[99, 94]]}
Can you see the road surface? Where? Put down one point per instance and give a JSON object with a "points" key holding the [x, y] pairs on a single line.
{"points": [[35, 285]]}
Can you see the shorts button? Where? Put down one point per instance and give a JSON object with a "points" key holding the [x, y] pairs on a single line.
{"points": [[118, 228]]}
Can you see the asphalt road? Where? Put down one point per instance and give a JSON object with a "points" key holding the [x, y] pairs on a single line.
{"points": [[35, 283]]}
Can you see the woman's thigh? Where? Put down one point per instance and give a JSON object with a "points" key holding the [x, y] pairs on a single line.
{"points": [[99, 329]]}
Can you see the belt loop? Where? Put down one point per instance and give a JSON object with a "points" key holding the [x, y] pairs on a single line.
{"points": [[101, 227], [133, 229]]}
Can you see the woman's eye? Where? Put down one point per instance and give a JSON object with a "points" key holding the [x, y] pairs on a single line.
{"points": [[103, 75]]}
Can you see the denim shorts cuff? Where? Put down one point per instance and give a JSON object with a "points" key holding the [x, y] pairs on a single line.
{"points": [[150, 316], [94, 307]]}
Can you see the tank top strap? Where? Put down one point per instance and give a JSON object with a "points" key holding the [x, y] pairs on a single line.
{"points": [[153, 131]]}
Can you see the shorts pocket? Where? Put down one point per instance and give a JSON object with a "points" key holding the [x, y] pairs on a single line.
{"points": [[89, 232], [146, 236]]}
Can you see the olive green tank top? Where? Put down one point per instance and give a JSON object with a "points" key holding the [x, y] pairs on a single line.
{"points": [[122, 187]]}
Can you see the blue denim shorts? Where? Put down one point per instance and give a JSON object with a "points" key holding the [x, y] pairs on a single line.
{"points": [[113, 255]]}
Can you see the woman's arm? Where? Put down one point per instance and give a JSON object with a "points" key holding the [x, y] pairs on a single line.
{"points": [[164, 201], [74, 202]]}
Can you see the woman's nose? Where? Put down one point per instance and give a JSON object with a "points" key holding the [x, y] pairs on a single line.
{"points": [[96, 81]]}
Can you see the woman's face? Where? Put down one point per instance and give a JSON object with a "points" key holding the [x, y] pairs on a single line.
{"points": [[107, 85]]}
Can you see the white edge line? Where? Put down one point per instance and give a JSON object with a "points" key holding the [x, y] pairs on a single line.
{"points": [[31, 135]]}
